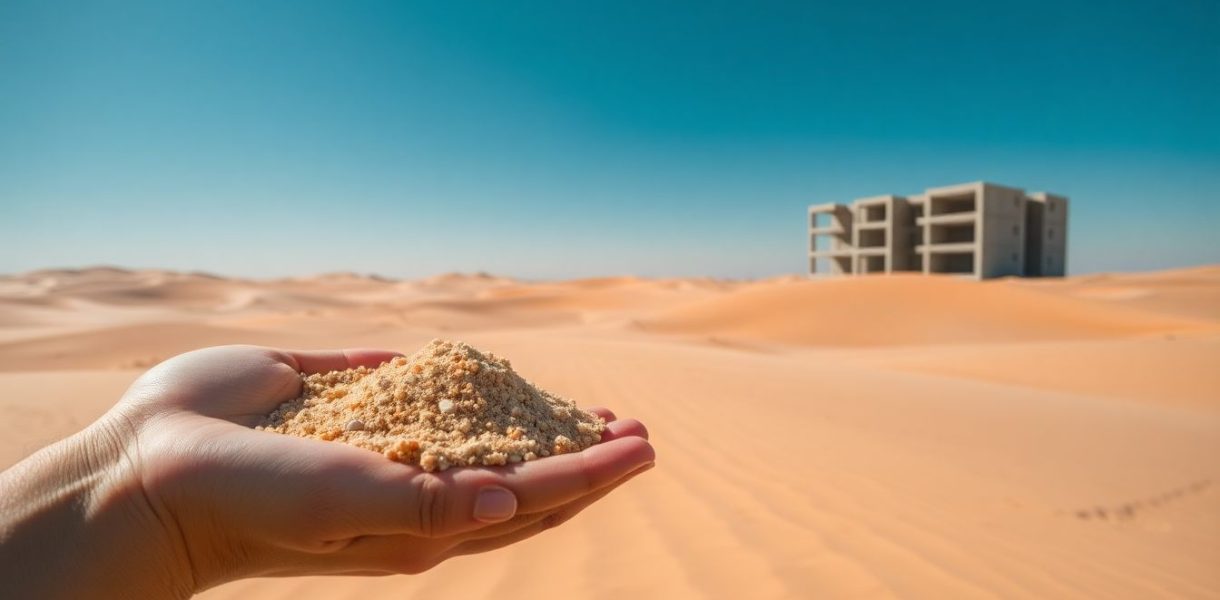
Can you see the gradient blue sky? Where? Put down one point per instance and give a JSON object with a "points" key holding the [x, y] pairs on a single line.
{"points": [[549, 140]]}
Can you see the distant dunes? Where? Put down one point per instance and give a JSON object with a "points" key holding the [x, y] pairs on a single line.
{"points": [[907, 310]]}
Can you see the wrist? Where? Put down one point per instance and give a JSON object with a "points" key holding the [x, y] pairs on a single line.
{"points": [[78, 507]]}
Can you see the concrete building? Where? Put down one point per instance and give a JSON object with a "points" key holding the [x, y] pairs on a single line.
{"points": [[980, 230]]}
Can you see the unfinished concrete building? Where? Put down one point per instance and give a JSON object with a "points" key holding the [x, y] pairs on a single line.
{"points": [[979, 230]]}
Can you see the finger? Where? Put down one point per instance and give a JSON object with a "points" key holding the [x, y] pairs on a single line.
{"points": [[551, 482], [624, 428], [540, 523], [344, 491], [527, 519], [324, 361], [606, 414], [456, 496], [407, 553], [465, 499]]}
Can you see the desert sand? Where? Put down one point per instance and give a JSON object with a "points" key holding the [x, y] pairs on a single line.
{"points": [[942, 438]]}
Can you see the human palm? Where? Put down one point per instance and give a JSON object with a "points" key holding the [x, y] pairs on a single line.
{"points": [[237, 502]]}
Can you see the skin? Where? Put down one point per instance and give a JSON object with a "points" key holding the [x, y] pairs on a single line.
{"points": [[172, 491]]}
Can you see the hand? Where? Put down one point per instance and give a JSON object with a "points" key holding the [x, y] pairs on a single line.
{"points": [[199, 497]]}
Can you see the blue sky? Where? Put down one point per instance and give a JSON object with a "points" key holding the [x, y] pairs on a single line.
{"points": [[550, 140]]}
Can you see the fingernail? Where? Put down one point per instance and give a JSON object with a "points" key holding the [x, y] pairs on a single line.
{"points": [[494, 504]]}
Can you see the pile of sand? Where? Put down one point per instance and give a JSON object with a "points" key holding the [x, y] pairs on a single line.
{"points": [[447, 405]]}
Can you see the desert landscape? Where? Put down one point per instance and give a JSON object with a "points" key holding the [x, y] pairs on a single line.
{"points": [[854, 438]]}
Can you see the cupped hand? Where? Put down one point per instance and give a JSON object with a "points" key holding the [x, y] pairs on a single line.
{"points": [[237, 502]]}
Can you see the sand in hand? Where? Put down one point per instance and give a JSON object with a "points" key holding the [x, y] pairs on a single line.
{"points": [[447, 405]]}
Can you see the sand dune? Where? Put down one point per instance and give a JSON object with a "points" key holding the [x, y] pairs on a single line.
{"points": [[602, 299], [907, 310], [127, 346], [1170, 370], [1189, 292], [907, 436], [108, 285]]}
